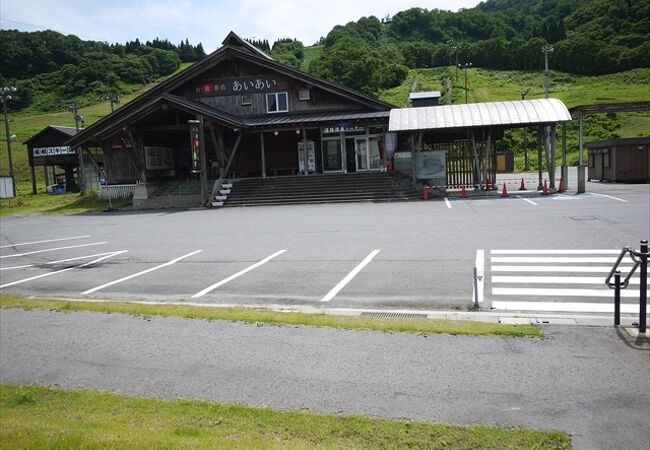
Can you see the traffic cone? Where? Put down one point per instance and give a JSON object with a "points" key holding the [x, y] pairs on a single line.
{"points": [[488, 186], [522, 187], [561, 188], [545, 190], [463, 193], [504, 193]]}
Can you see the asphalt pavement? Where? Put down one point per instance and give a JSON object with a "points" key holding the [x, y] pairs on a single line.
{"points": [[417, 254], [591, 382]]}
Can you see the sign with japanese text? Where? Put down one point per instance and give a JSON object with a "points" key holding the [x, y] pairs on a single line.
{"points": [[243, 85], [40, 152], [195, 147], [159, 158]]}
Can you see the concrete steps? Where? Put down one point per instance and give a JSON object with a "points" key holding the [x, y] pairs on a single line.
{"points": [[330, 188]]}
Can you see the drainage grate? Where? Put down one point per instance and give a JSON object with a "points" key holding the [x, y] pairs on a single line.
{"points": [[394, 315]]}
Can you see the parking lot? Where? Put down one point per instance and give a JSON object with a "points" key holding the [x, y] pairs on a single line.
{"points": [[358, 255]]}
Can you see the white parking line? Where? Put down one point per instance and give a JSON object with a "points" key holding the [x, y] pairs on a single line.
{"points": [[527, 200], [238, 274], [59, 261], [24, 280], [169, 263], [608, 196], [43, 242], [448, 203], [53, 249], [331, 294]]}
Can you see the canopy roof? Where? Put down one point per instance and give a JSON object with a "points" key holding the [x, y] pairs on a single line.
{"points": [[518, 113]]}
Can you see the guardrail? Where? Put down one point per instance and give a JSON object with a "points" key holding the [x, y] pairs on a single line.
{"points": [[640, 259], [112, 191]]}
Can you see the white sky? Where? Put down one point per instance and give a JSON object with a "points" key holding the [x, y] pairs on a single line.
{"points": [[202, 21]]}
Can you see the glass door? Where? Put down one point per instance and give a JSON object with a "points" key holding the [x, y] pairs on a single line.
{"points": [[332, 155], [368, 154], [361, 149]]}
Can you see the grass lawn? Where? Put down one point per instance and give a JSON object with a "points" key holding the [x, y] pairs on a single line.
{"points": [[258, 315], [56, 203], [35, 417]]}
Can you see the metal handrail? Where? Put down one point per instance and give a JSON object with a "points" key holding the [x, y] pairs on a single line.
{"points": [[625, 283], [640, 258]]}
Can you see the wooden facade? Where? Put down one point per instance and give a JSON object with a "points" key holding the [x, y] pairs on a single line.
{"points": [[624, 160], [254, 114]]}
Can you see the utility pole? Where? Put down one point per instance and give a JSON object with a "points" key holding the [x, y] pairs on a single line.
{"points": [[526, 162], [4, 98], [464, 67], [79, 120], [113, 98], [546, 49]]}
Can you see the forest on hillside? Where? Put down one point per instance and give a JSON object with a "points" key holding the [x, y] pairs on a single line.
{"points": [[589, 37], [49, 68]]}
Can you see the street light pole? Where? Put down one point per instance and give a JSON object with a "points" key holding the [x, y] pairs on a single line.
{"points": [[546, 49], [4, 97], [464, 67]]}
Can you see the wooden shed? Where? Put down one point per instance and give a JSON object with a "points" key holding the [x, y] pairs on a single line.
{"points": [[625, 160]]}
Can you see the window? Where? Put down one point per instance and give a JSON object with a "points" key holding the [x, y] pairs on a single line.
{"points": [[246, 100], [303, 94], [277, 102]]}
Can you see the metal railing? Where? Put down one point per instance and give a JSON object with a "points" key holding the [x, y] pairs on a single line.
{"points": [[640, 259], [116, 190]]}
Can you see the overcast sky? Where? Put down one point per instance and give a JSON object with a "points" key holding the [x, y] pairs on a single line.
{"points": [[205, 21]]}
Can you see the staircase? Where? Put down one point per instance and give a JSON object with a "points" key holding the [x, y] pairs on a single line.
{"points": [[321, 188]]}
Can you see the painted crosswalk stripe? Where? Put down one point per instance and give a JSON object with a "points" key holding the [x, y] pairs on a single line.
{"points": [[555, 252], [553, 259], [558, 292], [553, 280], [331, 294], [169, 263], [236, 275], [45, 241], [447, 202], [560, 269], [565, 307], [53, 249], [95, 261]]}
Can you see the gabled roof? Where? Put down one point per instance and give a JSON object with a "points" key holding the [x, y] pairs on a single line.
{"points": [[234, 39], [64, 131], [514, 113], [234, 46]]}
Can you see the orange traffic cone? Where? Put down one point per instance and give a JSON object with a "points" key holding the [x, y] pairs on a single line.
{"points": [[545, 190], [561, 188], [504, 193], [522, 187], [463, 193]]}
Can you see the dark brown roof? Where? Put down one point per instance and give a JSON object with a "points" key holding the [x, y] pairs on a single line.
{"points": [[64, 131]]}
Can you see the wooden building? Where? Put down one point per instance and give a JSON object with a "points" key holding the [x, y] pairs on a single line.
{"points": [[48, 149], [249, 116], [625, 160]]}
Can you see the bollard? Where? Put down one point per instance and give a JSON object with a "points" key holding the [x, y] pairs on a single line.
{"points": [[643, 300], [425, 192], [617, 298]]}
